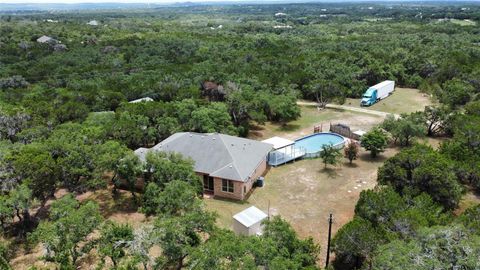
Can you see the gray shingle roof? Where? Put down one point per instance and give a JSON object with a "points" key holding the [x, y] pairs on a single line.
{"points": [[218, 155], [45, 39]]}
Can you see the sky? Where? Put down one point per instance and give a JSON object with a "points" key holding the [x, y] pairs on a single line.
{"points": [[107, 1]]}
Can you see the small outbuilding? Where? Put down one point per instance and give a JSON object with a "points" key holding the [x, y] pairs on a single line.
{"points": [[249, 221]]}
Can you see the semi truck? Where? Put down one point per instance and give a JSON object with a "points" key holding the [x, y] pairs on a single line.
{"points": [[377, 92]]}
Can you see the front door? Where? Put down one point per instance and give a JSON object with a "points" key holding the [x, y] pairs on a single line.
{"points": [[207, 183]]}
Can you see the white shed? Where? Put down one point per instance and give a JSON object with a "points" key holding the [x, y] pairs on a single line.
{"points": [[249, 221]]}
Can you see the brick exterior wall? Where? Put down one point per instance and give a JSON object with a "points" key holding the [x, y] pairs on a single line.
{"points": [[237, 190], [240, 189]]}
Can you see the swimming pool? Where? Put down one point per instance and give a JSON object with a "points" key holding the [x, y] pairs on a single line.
{"points": [[313, 143]]}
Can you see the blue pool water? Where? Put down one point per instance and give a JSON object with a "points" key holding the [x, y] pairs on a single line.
{"points": [[313, 143]]}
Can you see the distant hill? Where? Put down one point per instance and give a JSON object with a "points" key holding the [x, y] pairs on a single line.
{"points": [[164, 3]]}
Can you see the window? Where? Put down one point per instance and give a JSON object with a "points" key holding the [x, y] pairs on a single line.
{"points": [[227, 185]]}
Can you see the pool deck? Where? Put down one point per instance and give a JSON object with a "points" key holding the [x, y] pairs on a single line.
{"points": [[287, 154], [279, 157]]}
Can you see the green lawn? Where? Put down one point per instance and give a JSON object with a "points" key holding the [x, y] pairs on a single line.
{"points": [[463, 22], [311, 116], [402, 100]]}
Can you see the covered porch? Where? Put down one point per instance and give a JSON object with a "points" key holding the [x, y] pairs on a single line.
{"points": [[284, 151]]}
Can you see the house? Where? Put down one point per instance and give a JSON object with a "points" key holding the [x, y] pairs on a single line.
{"points": [[46, 39], [145, 99], [228, 165], [213, 91], [93, 23], [249, 221]]}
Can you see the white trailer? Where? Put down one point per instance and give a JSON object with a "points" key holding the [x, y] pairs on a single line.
{"points": [[377, 92], [384, 89]]}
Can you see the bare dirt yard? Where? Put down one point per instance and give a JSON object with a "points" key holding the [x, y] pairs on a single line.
{"points": [[303, 192]]}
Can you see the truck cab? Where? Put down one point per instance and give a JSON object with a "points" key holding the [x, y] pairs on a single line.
{"points": [[369, 98]]}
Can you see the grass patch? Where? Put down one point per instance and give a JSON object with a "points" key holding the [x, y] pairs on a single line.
{"points": [[463, 22], [310, 117], [402, 100]]}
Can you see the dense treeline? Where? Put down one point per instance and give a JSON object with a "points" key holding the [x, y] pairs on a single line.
{"points": [[408, 221], [65, 122]]}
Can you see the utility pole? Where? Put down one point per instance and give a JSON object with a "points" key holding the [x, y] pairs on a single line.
{"points": [[330, 221], [268, 210]]}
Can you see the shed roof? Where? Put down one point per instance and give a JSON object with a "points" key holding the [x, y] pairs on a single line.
{"points": [[250, 216], [218, 155], [278, 142]]}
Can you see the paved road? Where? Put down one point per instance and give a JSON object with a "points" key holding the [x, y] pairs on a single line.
{"points": [[347, 108]]}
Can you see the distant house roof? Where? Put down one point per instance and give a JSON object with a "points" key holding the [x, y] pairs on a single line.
{"points": [[218, 155], [145, 99], [282, 26], [93, 23], [278, 142], [46, 39], [250, 216]]}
